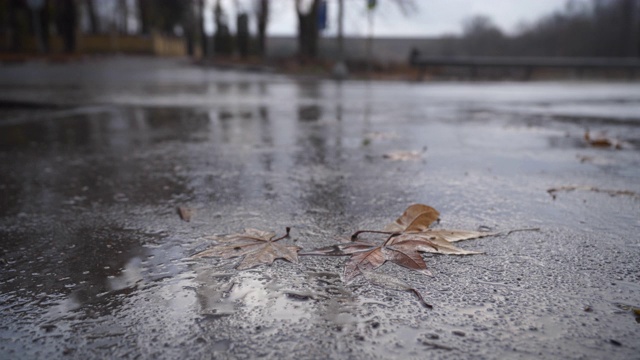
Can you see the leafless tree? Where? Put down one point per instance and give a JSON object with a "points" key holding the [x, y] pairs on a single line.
{"points": [[307, 29], [262, 15]]}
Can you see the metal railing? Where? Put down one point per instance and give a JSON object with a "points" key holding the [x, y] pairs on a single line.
{"points": [[528, 64]]}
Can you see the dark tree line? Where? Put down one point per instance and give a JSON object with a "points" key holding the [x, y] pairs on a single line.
{"points": [[175, 17], [595, 28], [19, 21]]}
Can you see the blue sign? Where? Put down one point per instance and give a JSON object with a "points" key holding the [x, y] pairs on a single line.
{"points": [[322, 15]]}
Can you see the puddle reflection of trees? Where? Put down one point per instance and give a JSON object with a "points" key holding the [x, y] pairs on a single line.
{"points": [[89, 266], [267, 295]]}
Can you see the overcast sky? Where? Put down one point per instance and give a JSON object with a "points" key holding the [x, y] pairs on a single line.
{"points": [[428, 18]]}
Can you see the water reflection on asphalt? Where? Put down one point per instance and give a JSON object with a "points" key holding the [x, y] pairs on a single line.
{"points": [[95, 261]]}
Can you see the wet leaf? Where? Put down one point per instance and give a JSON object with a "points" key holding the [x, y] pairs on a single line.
{"points": [[256, 246], [368, 257], [417, 217], [366, 260], [340, 249], [440, 240], [433, 242], [408, 237]]}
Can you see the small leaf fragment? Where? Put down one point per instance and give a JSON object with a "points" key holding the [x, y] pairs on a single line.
{"points": [[185, 213], [403, 155], [601, 141]]}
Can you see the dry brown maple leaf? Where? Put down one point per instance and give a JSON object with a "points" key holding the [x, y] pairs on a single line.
{"points": [[258, 247], [409, 235], [417, 217], [368, 257], [403, 250], [412, 228]]}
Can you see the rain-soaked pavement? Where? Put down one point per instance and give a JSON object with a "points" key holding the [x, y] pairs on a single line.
{"points": [[96, 156]]}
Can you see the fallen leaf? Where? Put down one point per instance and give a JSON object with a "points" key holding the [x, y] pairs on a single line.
{"points": [[366, 260], [256, 246], [403, 155], [601, 141], [417, 217], [185, 213], [403, 249], [438, 241], [368, 257], [408, 237]]}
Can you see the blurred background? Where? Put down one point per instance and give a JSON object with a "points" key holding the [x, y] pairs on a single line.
{"points": [[380, 36]]}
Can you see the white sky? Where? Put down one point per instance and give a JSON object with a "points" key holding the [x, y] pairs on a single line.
{"points": [[430, 18]]}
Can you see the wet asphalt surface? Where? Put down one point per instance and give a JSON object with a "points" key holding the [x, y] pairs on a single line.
{"points": [[95, 156]]}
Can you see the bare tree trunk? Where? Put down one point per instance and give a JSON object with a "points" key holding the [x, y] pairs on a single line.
{"points": [[242, 34], [629, 33], [94, 24], [340, 30], [15, 30], [202, 34], [263, 18], [45, 19], [307, 31], [66, 23], [124, 11], [143, 16]]}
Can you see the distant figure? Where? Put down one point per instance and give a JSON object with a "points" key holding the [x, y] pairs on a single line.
{"points": [[66, 23], [414, 55]]}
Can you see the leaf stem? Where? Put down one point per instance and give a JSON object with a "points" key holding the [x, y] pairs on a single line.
{"points": [[288, 229], [426, 304], [354, 237], [391, 237], [507, 233]]}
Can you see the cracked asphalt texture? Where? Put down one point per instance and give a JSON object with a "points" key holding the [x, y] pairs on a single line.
{"points": [[96, 155]]}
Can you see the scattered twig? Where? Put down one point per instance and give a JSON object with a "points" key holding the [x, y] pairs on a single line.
{"points": [[437, 346], [287, 229], [354, 236], [426, 304], [507, 233], [405, 155], [554, 191]]}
